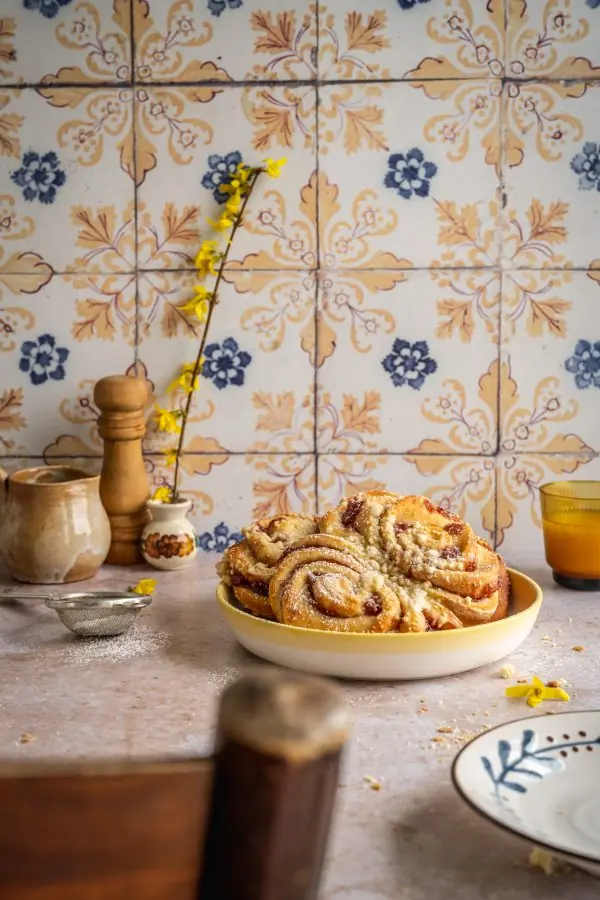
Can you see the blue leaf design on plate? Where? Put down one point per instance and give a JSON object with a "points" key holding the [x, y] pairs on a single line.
{"points": [[513, 786], [504, 753], [488, 767], [528, 737]]}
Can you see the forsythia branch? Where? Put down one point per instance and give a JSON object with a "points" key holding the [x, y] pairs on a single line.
{"points": [[210, 260]]}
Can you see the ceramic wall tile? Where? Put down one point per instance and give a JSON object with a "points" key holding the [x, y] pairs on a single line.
{"points": [[394, 374], [45, 366], [552, 39], [90, 464], [550, 374], [66, 197], [519, 476], [410, 39], [552, 174], [225, 40], [64, 41], [463, 484], [240, 406], [229, 491], [185, 149], [428, 154]]}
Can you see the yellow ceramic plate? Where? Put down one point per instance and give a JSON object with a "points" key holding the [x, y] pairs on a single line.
{"points": [[387, 656]]}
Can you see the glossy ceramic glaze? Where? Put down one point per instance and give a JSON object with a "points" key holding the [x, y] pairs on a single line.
{"points": [[169, 541], [387, 656], [539, 778], [54, 527]]}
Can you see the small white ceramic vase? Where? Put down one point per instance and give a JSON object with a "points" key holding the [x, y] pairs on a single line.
{"points": [[169, 541]]}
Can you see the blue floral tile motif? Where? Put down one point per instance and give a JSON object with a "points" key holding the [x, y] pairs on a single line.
{"points": [[593, 4], [409, 174], [39, 176], [408, 4], [224, 363], [48, 8], [220, 171], [42, 359], [587, 165], [219, 539], [216, 7], [528, 761], [409, 363], [585, 364]]}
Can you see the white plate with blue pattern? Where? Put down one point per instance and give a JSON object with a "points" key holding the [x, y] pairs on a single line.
{"points": [[539, 778]]}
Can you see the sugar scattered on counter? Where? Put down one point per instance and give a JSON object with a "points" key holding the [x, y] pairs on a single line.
{"points": [[140, 640]]}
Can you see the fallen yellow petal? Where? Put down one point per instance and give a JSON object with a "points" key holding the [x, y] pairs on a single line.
{"points": [[145, 586], [556, 694], [518, 690]]}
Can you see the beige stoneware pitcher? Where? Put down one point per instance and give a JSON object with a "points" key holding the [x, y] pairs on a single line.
{"points": [[53, 527]]}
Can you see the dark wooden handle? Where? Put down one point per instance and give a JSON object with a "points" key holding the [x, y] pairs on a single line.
{"points": [[279, 745]]}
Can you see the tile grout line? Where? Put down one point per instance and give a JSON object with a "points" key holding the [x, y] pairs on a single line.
{"points": [[317, 271], [390, 454], [500, 225], [299, 82], [136, 345], [344, 270], [186, 270]]}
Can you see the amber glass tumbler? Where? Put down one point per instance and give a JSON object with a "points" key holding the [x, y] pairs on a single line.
{"points": [[571, 525]]}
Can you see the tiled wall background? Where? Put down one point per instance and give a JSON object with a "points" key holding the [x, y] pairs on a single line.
{"points": [[415, 303]]}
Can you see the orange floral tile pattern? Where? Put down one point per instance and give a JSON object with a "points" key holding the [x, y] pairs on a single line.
{"points": [[437, 207]]}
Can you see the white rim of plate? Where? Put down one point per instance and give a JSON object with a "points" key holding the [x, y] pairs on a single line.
{"points": [[545, 845]]}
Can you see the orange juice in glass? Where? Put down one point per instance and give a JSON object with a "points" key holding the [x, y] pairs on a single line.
{"points": [[571, 525]]}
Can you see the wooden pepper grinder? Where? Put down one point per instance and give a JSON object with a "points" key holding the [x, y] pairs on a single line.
{"points": [[123, 482]]}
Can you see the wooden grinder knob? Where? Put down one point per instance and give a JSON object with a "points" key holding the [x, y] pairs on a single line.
{"points": [[280, 739], [123, 483]]}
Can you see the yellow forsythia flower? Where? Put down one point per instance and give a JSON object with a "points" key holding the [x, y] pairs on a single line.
{"points": [[170, 457], [198, 304], [233, 205], [243, 172], [184, 379], [168, 420], [224, 223], [239, 182], [145, 586], [536, 692], [273, 166], [162, 494], [206, 258]]}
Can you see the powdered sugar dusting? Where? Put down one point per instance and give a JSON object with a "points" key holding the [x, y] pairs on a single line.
{"points": [[140, 640]]}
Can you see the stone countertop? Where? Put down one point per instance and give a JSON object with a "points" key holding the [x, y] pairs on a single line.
{"points": [[154, 694]]}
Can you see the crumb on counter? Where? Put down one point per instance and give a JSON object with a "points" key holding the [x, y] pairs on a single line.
{"points": [[578, 648], [27, 738], [373, 783], [507, 671], [547, 862], [541, 859], [445, 729]]}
